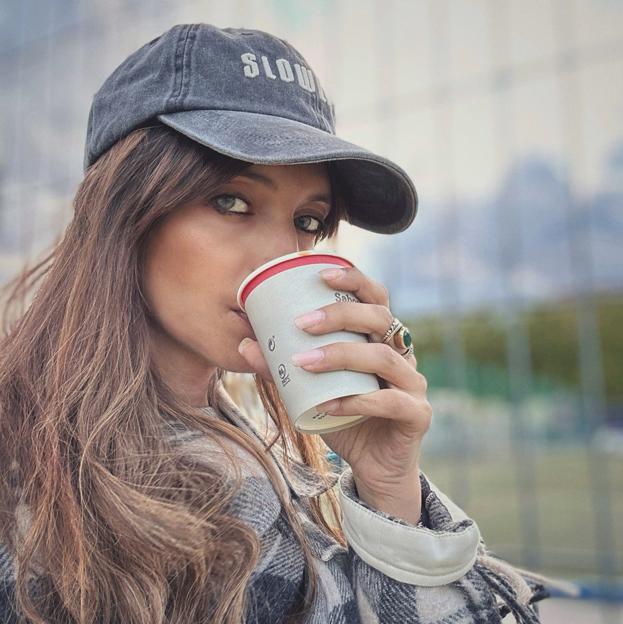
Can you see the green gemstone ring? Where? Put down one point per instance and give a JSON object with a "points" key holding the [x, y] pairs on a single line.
{"points": [[401, 338]]}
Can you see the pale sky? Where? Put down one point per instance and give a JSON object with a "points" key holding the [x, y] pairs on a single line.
{"points": [[561, 60]]}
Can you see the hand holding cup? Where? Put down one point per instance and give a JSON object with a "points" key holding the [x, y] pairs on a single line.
{"points": [[384, 449]]}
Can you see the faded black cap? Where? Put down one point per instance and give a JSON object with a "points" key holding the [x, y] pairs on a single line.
{"points": [[252, 96]]}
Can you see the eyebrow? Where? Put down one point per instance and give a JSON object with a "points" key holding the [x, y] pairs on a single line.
{"points": [[258, 177]]}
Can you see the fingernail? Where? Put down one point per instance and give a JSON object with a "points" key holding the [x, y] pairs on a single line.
{"points": [[332, 273], [309, 319], [244, 344], [328, 406], [307, 357]]}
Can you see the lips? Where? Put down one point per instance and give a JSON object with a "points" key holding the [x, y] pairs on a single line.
{"points": [[244, 318]]}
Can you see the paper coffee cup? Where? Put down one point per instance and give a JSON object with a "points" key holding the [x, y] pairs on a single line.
{"points": [[272, 296]]}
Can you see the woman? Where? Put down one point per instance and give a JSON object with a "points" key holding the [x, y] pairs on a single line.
{"points": [[135, 490]]}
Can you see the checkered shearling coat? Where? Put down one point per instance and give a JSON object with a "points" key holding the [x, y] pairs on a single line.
{"points": [[392, 572]]}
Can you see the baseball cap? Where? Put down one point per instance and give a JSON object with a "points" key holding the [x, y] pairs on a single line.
{"points": [[251, 96]]}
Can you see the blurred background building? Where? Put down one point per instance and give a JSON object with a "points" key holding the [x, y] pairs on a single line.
{"points": [[508, 115]]}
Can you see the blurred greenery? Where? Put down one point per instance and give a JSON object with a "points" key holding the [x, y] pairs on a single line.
{"points": [[553, 350]]}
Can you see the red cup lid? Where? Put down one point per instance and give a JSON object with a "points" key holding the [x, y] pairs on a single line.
{"points": [[283, 263]]}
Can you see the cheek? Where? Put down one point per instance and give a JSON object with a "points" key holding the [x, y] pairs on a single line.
{"points": [[185, 280]]}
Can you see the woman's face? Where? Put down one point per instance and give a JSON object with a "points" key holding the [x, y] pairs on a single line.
{"points": [[199, 254]]}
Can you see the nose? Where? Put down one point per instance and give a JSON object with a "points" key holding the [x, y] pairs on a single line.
{"points": [[278, 243]]}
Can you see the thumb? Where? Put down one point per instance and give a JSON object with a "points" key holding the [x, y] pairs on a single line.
{"points": [[251, 352]]}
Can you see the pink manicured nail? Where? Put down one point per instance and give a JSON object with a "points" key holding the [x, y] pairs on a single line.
{"points": [[332, 273], [328, 406], [307, 357], [307, 320]]}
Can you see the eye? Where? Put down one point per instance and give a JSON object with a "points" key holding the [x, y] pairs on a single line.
{"points": [[314, 230], [234, 204], [226, 203]]}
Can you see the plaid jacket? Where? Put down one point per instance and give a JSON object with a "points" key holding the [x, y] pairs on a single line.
{"points": [[392, 572]]}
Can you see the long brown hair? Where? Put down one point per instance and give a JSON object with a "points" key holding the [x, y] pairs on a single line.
{"points": [[105, 517]]}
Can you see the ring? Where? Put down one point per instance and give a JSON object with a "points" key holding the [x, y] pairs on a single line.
{"points": [[401, 338]]}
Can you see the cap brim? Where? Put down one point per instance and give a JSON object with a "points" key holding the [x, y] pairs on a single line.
{"points": [[380, 195]]}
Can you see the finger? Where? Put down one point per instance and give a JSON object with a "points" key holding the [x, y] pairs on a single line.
{"points": [[251, 352], [366, 318], [363, 287], [389, 403], [369, 357], [369, 318]]}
